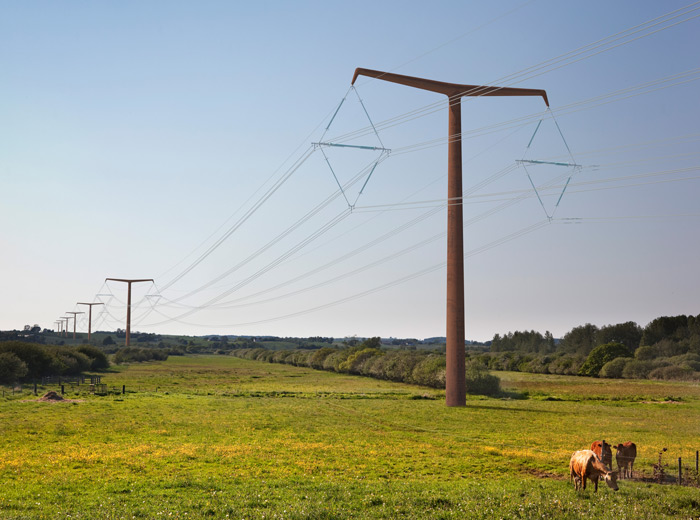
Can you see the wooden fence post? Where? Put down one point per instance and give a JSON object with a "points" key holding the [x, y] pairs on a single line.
{"points": [[696, 461], [680, 472], [123, 389]]}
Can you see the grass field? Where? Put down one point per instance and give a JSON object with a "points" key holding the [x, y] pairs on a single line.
{"points": [[222, 437]]}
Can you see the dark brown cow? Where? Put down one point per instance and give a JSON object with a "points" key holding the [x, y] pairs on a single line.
{"points": [[584, 465], [626, 453], [605, 456]]}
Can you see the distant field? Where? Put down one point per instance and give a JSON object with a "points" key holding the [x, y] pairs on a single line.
{"points": [[222, 437]]}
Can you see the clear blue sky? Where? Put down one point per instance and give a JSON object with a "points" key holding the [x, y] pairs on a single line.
{"points": [[136, 135]]}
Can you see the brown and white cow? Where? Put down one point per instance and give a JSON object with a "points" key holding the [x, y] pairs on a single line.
{"points": [[585, 465], [603, 454], [626, 453]]}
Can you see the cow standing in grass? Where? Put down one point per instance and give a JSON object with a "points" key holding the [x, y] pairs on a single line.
{"points": [[584, 465], [626, 453], [602, 449]]}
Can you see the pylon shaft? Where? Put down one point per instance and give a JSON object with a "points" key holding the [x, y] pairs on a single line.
{"points": [[455, 388]]}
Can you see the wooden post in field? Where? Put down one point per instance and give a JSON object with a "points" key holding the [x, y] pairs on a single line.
{"points": [[696, 461], [680, 472]]}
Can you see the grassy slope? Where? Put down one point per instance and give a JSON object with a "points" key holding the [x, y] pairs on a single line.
{"points": [[224, 436]]}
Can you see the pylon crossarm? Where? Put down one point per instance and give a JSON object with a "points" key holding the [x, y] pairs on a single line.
{"points": [[526, 161], [386, 150], [452, 90]]}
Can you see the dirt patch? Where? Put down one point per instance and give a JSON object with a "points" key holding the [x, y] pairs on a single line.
{"points": [[53, 397]]}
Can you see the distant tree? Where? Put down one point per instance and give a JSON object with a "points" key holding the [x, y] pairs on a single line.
{"points": [[108, 341], [600, 355], [375, 342], [628, 333], [12, 368], [666, 327], [580, 340]]}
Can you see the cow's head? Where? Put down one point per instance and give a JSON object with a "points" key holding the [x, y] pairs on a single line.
{"points": [[611, 480]]}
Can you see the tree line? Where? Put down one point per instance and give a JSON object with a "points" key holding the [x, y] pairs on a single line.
{"points": [[32, 361], [667, 348], [368, 358]]}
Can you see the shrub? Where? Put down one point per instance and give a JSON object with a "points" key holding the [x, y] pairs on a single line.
{"points": [[333, 361], [601, 355], [538, 365], [68, 361], [636, 369], [35, 357], [430, 371], [613, 369], [353, 363], [480, 381], [690, 360], [646, 353], [319, 357], [98, 359], [399, 366], [12, 368], [568, 364], [673, 372], [138, 355]]}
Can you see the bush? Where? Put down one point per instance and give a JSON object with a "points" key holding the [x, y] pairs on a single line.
{"points": [[12, 368], [139, 355], [333, 361], [67, 361], [646, 353], [430, 371], [399, 366], [98, 359], [353, 363], [538, 365], [480, 381], [613, 369], [35, 357], [319, 357], [601, 355], [635, 369], [673, 373], [690, 360], [568, 364]]}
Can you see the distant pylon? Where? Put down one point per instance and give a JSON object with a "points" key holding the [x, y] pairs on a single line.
{"points": [[90, 316], [128, 303], [74, 320], [67, 319]]}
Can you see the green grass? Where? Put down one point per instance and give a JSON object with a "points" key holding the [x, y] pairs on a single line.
{"points": [[211, 436]]}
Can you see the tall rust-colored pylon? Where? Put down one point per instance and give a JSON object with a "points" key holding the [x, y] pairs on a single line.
{"points": [[128, 303], [455, 384]]}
